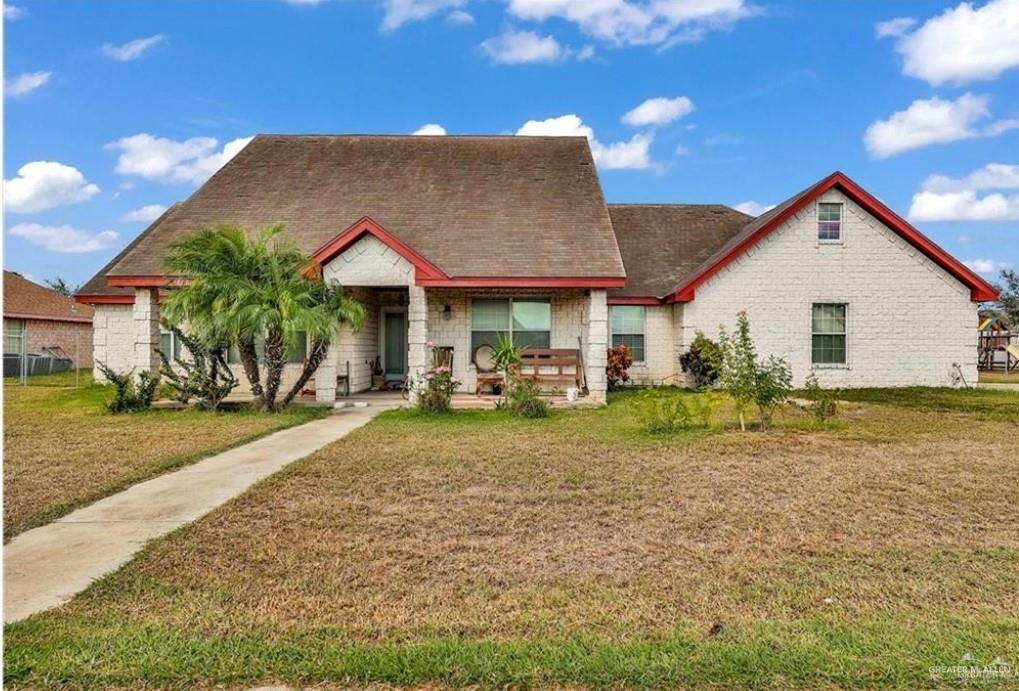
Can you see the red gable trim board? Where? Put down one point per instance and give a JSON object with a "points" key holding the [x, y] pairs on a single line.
{"points": [[980, 290]]}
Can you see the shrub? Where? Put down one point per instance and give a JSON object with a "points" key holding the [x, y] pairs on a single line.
{"points": [[662, 414], [703, 361], [772, 385], [523, 398], [435, 389], [822, 401], [749, 381], [619, 360], [204, 376], [702, 407], [129, 396]]}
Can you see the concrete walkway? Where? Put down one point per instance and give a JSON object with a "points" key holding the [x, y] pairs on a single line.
{"points": [[47, 566]]}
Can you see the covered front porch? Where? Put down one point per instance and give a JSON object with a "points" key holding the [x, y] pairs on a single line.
{"points": [[403, 324]]}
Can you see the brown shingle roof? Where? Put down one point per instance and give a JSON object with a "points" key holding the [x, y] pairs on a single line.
{"points": [[474, 206], [26, 300], [662, 244]]}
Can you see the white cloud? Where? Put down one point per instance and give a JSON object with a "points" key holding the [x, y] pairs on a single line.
{"points": [[432, 129], [460, 17], [13, 12], [659, 111], [963, 44], [631, 22], [633, 154], [42, 185], [65, 238], [985, 266], [146, 214], [132, 50], [158, 158], [516, 47], [25, 83], [400, 12], [752, 208], [930, 121], [942, 198], [894, 27]]}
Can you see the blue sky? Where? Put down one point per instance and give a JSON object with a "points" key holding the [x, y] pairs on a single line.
{"points": [[114, 109]]}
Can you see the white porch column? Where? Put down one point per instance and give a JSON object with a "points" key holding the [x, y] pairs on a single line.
{"points": [[146, 330], [597, 344], [325, 376], [417, 331]]}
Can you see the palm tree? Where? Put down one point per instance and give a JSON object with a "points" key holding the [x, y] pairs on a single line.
{"points": [[243, 289]]}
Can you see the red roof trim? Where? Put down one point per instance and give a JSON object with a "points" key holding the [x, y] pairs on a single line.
{"points": [[980, 290], [47, 318], [634, 300], [422, 267], [522, 282], [104, 299]]}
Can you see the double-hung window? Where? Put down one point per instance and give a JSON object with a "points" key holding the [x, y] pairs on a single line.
{"points": [[829, 222], [628, 328], [527, 321], [828, 334], [169, 344]]}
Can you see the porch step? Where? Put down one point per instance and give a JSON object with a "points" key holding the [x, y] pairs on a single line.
{"points": [[350, 404]]}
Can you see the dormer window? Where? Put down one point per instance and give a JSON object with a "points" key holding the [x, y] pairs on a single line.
{"points": [[829, 222]]}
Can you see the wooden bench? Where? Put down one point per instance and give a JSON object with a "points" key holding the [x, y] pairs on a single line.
{"points": [[550, 365]]}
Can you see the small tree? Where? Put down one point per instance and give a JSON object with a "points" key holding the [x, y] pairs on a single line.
{"points": [[739, 366], [1008, 302], [747, 380], [61, 286], [619, 361]]}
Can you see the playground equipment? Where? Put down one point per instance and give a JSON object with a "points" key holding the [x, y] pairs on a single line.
{"points": [[996, 349]]}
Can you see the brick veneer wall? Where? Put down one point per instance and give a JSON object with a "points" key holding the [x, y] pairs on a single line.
{"points": [[909, 320]]}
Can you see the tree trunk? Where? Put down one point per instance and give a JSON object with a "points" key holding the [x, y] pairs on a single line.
{"points": [[275, 359], [742, 425], [319, 349], [249, 360]]}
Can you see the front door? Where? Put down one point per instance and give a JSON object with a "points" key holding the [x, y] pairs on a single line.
{"points": [[394, 354]]}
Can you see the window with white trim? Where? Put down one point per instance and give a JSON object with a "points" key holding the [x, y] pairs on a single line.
{"points": [[527, 321], [628, 326], [169, 344], [829, 222], [828, 334]]}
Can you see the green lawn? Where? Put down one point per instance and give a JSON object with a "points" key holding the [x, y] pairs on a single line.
{"points": [[62, 450], [479, 550]]}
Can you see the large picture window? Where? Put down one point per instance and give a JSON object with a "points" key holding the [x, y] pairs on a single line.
{"points": [[628, 328], [828, 334], [527, 321]]}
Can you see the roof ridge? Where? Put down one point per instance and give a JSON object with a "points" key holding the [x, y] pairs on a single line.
{"points": [[376, 135]]}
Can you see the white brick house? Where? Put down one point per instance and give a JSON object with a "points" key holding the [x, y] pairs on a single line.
{"points": [[456, 240]]}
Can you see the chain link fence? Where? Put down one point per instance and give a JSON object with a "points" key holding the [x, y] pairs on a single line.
{"points": [[33, 363]]}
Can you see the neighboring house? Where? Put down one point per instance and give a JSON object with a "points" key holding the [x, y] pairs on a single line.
{"points": [[49, 323], [454, 240]]}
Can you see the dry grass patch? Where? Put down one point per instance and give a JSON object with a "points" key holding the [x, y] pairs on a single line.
{"points": [[578, 551], [62, 450]]}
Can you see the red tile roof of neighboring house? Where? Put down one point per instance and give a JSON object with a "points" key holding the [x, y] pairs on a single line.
{"points": [[24, 299]]}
